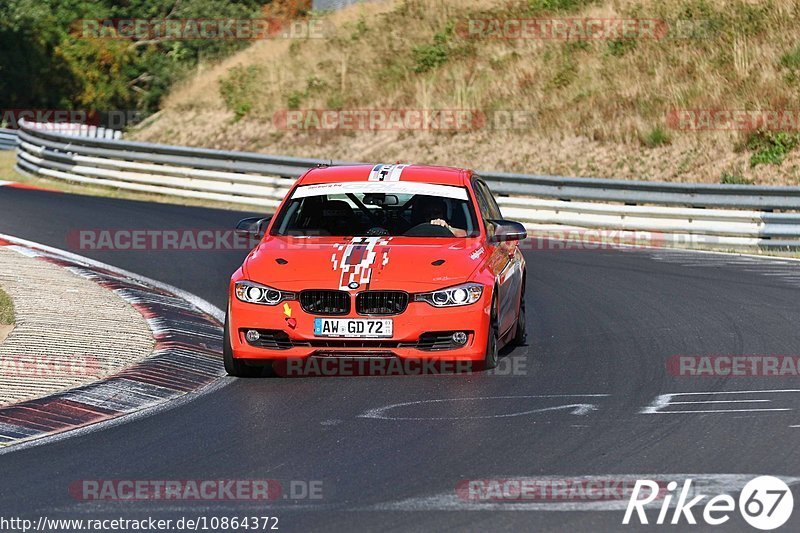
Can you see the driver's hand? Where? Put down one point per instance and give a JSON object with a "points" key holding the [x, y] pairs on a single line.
{"points": [[440, 222]]}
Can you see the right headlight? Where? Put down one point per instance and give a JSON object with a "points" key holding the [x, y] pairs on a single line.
{"points": [[255, 293], [465, 294]]}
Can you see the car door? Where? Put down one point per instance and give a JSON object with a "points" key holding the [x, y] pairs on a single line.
{"points": [[503, 260]]}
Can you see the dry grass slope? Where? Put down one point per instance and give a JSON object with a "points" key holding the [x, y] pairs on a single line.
{"points": [[599, 106]]}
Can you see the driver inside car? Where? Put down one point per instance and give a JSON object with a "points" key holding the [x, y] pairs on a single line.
{"points": [[339, 217], [434, 211]]}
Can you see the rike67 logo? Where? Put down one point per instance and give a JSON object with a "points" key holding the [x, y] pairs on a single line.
{"points": [[765, 503]]}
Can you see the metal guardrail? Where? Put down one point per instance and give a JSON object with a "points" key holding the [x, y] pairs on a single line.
{"points": [[8, 139], [686, 214]]}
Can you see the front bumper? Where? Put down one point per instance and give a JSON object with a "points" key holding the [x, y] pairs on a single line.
{"points": [[409, 329]]}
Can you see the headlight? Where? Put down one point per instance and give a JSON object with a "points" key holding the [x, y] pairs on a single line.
{"points": [[255, 293], [465, 294]]}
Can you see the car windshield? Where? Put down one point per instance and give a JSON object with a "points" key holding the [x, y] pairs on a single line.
{"points": [[393, 209]]}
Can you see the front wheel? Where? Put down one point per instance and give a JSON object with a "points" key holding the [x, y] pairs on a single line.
{"points": [[521, 333], [235, 367], [491, 357]]}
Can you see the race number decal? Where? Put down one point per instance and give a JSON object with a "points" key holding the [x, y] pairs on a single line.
{"points": [[386, 172]]}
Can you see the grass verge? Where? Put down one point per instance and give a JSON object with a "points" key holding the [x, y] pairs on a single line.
{"points": [[6, 310]]}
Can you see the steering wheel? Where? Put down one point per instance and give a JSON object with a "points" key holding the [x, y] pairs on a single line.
{"points": [[377, 231], [426, 229]]}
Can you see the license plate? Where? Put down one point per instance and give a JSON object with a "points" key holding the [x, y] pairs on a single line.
{"points": [[352, 327]]}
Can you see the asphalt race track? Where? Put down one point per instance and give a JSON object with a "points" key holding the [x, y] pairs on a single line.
{"points": [[602, 325]]}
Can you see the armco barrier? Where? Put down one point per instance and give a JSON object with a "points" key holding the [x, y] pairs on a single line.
{"points": [[705, 215], [8, 139]]}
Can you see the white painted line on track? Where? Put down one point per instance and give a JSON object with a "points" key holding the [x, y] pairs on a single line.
{"points": [[684, 411], [718, 401], [732, 257], [664, 401], [579, 409]]}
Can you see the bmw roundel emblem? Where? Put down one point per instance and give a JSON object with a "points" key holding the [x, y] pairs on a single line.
{"points": [[353, 285]]}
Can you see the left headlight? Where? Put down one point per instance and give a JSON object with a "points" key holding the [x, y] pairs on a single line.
{"points": [[255, 293], [465, 294]]}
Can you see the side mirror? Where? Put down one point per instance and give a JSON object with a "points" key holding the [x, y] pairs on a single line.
{"points": [[253, 227], [507, 230]]}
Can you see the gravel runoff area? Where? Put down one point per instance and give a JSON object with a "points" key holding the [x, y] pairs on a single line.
{"points": [[69, 331]]}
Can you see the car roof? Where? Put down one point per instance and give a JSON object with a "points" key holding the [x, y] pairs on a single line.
{"points": [[417, 173]]}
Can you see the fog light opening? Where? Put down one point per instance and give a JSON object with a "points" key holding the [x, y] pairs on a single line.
{"points": [[460, 338], [252, 335]]}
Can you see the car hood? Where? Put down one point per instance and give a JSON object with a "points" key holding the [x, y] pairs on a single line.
{"points": [[402, 263]]}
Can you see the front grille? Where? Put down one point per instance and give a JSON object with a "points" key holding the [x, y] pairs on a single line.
{"points": [[321, 302], [372, 354], [381, 302], [352, 343]]}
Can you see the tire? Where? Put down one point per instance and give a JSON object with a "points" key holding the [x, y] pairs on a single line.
{"points": [[491, 356], [235, 367], [521, 333]]}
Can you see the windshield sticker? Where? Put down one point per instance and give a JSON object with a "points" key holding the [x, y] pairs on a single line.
{"points": [[388, 187]]}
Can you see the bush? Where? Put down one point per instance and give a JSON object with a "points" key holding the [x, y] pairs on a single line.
{"points": [[620, 47], [791, 59], [430, 56], [557, 5], [655, 137], [294, 100], [360, 29], [734, 178], [770, 148], [237, 89]]}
